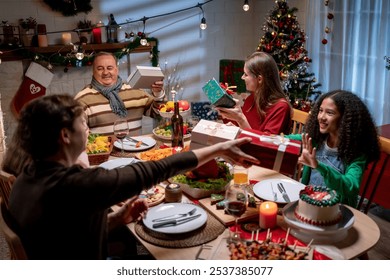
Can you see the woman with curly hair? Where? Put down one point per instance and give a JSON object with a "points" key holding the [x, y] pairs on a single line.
{"points": [[340, 140], [266, 109]]}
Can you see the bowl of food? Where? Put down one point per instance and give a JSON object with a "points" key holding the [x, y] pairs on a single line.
{"points": [[98, 148], [166, 110], [164, 131], [210, 178]]}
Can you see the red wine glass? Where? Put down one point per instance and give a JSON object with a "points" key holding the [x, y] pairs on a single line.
{"points": [[236, 201], [121, 129]]}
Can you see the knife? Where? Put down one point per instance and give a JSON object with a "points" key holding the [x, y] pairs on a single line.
{"points": [[136, 141], [283, 192], [175, 222]]}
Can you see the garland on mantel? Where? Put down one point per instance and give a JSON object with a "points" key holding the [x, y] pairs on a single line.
{"points": [[71, 60]]}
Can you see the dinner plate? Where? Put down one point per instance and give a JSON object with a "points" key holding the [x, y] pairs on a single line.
{"points": [[130, 146], [114, 163], [320, 234], [167, 209], [265, 189]]}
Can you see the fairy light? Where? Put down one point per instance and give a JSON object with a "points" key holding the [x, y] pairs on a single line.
{"points": [[246, 6], [203, 24]]}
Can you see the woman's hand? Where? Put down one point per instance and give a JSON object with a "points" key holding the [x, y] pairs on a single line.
{"points": [[308, 156], [234, 114]]}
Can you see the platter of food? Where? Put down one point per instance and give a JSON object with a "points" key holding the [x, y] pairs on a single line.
{"points": [[154, 196], [211, 178], [166, 133], [136, 143], [98, 148]]}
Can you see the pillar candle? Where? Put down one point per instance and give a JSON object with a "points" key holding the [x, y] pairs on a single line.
{"points": [[268, 211], [66, 38], [97, 35]]}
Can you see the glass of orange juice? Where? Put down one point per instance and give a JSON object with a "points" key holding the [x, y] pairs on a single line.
{"points": [[240, 175]]}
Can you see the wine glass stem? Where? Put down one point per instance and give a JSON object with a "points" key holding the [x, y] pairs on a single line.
{"points": [[123, 150]]}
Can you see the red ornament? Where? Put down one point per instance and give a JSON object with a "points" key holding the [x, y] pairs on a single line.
{"points": [[306, 59], [324, 41], [330, 16], [139, 33], [292, 37]]}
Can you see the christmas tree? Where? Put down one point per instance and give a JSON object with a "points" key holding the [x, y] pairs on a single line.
{"points": [[284, 40]]}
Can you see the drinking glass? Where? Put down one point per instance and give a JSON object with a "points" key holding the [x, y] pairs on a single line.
{"points": [[121, 129], [240, 175], [236, 201]]}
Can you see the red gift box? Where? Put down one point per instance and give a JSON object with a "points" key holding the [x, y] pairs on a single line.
{"points": [[274, 151]]}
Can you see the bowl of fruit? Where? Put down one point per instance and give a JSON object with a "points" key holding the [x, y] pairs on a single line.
{"points": [[166, 110]]}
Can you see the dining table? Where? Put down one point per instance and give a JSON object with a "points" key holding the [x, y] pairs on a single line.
{"points": [[358, 239]]}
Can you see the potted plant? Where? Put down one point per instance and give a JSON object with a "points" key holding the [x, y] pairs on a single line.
{"points": [[28, 28], [85, 31]]}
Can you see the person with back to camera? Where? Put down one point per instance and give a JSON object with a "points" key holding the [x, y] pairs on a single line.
{"points": [[107, 98], [59, 208], [266, 109], [340, 140]]}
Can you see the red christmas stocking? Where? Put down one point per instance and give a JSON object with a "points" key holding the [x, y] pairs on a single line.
{"points": [[36, 80]]}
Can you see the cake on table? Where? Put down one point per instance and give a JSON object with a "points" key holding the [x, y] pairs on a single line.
{"points": [[318, 206]]}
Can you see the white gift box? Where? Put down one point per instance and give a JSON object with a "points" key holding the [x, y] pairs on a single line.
{"points": [[207, 133], [145, 76]]}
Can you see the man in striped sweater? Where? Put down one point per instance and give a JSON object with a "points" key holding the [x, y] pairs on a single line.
{"points": [[107, 98]]}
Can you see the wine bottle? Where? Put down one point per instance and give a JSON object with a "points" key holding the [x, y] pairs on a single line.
{"points": [[177, 127]]}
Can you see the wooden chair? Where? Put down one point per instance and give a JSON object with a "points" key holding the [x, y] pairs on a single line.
{"points": [[298, 121], [374, 175], [6, 181], [14, 243]]}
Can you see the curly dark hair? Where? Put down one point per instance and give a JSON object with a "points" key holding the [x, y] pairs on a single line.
{"points": [[41, 122], [357, 132]]}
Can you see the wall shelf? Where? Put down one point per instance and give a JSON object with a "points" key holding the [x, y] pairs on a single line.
{"points": [[17, 53]]}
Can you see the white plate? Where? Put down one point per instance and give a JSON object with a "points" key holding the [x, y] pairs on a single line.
{"points": [[320, 234], [130, 146], [167, 209], [114, 163], [263, 189]]}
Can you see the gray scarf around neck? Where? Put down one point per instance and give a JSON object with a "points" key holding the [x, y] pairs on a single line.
{"points": [[112, 94]]}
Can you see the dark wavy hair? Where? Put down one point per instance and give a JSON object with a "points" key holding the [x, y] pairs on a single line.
{"points": [[357, 132], [41, 122]]}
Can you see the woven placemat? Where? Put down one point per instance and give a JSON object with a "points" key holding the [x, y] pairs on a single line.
{"points": [[118, 153], [211, 230]]}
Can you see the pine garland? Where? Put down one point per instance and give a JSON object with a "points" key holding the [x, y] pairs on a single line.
{"points": [[70, 7]]}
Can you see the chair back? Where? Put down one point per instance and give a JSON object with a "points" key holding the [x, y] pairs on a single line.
{"points": [[14, 243], [298, 121], [6, 181], [374, 174]]}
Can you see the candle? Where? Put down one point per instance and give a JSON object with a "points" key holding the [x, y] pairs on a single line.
{"points": [[66, 38], [267, 214], [97, 35]]}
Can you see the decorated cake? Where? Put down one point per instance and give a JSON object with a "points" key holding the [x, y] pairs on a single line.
{"points": [[318, 206]]}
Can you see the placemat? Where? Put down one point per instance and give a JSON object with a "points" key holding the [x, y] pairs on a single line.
{"points": [[118, 153], [211, 230]]}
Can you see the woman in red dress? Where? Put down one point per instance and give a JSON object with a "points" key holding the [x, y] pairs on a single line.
{"points": [[266, 108]]}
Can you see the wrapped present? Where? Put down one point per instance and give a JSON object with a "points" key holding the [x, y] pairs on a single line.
{"points": [[274, 151], [217, 95], [207, 133]]}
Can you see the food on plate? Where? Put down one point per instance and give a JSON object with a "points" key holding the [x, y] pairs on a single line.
{"points": [[138, 144], [154, 198], [165, 129], [156, 154], [318, 206], [266, 250], [98, 144], [215, 198], [206, 180]]}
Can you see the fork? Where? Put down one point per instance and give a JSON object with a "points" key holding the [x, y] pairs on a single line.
{"points": [[283, 191], [274, 193], [174, 216]]}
